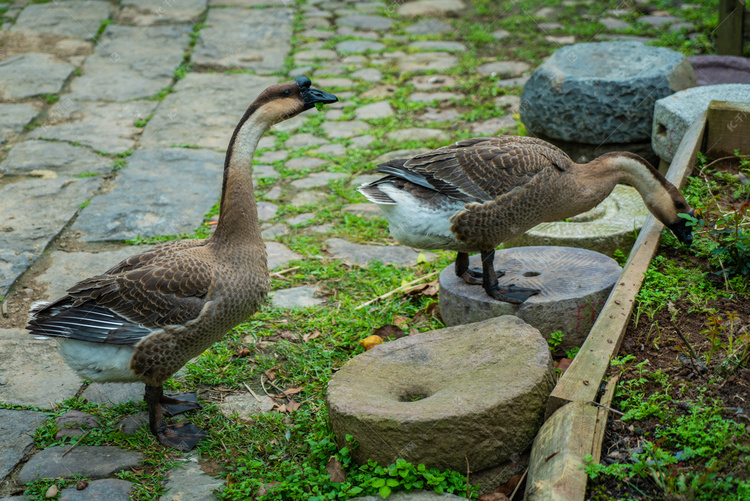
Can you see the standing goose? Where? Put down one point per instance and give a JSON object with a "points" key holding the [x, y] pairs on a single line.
{"points": [[476, 194], [142, 320]]}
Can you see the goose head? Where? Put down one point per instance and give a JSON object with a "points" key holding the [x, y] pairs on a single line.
{"points": [[285, 100], [669, 212]]}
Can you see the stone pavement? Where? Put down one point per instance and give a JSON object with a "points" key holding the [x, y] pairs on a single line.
{"points": [[114, 119]]}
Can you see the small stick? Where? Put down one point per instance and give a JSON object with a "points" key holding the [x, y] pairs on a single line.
{"points": [[251, 391], [467, 475], [738, 157], [77, 442], [279, 273], [264, 387], [610, 409], [390, 293], [4, 307], [518, 485]]}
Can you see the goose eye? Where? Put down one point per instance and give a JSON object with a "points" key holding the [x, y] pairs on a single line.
{"points": [[680, 205], [287, 92]]}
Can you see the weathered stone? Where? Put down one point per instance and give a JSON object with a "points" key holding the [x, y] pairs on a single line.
{"points": [[427, 97], [31, 74], [17, 429], [500, 34], [60, 158], [264, 171], [504, 68], [334, 150], [155, 207], [334, 82], [550, 26], [301, 219], [344, 129], [368, 75], [424, 61], [602, 92], [266, 210], [493, 125], [85, 460], [257, 39], [296, 297], [245, 405], [13, 118], [359, 46], [306, 56], [562, 40], [317, 179], [509, 101], [188, 481], [106, 127], [431, 393], [77, 419], [27, 233], [413, 496], [131, 424], [108, 489], [274, 231], [574, 285], [674, 114], [512, 82], [362, 255], [279, 255], [429, 27], [246, 3], [392, 155], [70, 19], [658, 21], [366, 22], [304, 163], [111, 394], [366, 210], [439, 45], [273, 156], [381, 109], [431, 8], [304, 198], [304, 140], [715, 70], [147, 12], [138, 62], [417, 134], [432, 82], [614, 24], [362, 141], [291, 125]]}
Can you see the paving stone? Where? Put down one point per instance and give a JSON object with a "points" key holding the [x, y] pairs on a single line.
{"points": [[31, 74], [86, 460], [362, 141], [304, 140], [614, 24], [491, 126], [295, 122], [188, 481], [563, 40], [429, 27], [546, 13], [334, 82], [304, 163], [203, 110], [264, 171], [368, 75], [317, 179], [500, 34], [296, 297], [392, 155], [17, 429], [435, 115], [431, 8], [13, 118], [317, 22], [504, 68], [623, 38], [413, 496], [279, 255], [439, 45], [353, 59], [107, 489], [378, 92], [273, 156], [304, 198], [77, 419], [27, 233], [359, 46], [366, 210], [266, 210], [427, 97], [320, 228], [334, 114], [328, 70], [658, 21], [432, 82], [381, 109], [550, 26], [307, 56], [111, 394], [131, 424], [424, 61], [301, 71], [70, 19], [417, 134], [365, 22], [300, 219], [333, 149], [509, 101], [512, 82], [255, 39], [344, 129], [147, 12], [358, 254], [274, 193], [61, 159], [140, 203], [274, 231], [138, 62], [318, 34], [245, 406], [107, 127]]}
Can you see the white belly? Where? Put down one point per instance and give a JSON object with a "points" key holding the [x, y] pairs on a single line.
{"points": [[101, 363]]}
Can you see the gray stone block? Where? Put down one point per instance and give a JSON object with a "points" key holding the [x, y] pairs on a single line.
{"points": [[17, 429], [108, 489], [32, 74], [602, 92], [88, 461], [674, 114]]}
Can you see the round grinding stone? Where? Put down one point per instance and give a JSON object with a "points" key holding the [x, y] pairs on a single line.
{"points": [[574, 285], [611, 225]]}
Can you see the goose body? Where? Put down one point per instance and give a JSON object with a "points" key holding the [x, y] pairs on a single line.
{"points": [[473, 195], [143, 319]]}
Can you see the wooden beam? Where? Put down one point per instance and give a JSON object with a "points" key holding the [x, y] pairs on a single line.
{"points": [[729, 31], [580, 383], [727, 129]]}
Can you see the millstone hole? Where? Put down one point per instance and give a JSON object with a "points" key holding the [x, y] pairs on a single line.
{"points": [[414, 395], [532, 274]]}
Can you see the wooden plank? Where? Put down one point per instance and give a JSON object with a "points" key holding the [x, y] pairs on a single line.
{"points": [[580, 382], [729, 31], [555, 472], [601, 418], [727, 129]]}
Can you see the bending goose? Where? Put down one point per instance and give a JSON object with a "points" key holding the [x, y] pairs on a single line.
{"points": [[475, 194], [143, 319]]}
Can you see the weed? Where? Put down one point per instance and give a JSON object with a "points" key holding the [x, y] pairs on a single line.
{"points": [[119, 163], [87, 174], [555, 340], [51, 98]]}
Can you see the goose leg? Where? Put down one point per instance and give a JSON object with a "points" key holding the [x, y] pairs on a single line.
{"points": [[183, 436], [471, 276], [177, 403], [510, 293]]}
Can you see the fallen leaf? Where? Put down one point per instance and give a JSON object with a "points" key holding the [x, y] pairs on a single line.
{"points": [[242, 353], [264, 488], [289, 336], [389, 331], [271, 373], [400, 320], [426, 289], [310, 335], [293, 405], [493, 496], [292, 391], [82, 484], [336, 470], [508, 487], [280, 408], [371, 341], [413, 331], [563, 364]]}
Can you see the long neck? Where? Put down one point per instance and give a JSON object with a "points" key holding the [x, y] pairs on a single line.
{"points": [[238, 214]]}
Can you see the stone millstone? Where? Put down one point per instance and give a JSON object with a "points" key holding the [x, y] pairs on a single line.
{"points": [[575, 283], [473, 391], [609, 226], [602, 92]]}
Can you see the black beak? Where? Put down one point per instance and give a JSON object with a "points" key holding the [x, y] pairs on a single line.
{"points": [[682, 231], [311, 95]]}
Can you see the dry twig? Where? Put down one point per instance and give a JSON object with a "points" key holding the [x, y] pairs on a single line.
{"points": [[397, 289]]}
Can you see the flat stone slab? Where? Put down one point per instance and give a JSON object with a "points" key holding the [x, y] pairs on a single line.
{"points": [[203, 110], [106, 127], [86, 460], [303, 140], [300, 163], [428, 45], [429, 27], [365, 22], [504, 68], [304, 198], [431, 8], [351, 128], [188, 481], [141, 203], [574, 285], [368, 75], [71, 19], [425, 61], [674, 114], [426, 97], [296, 297], [417, 134], [107, 489], [111, 394], [54, 159], [359, 46], [245, 406], [493, 125], [362, 255], [13, 118], [32, 371], [147, 12], [602, 92], [609, 226], [413, 496], [32, 74], [279, 255], [424, 397], [256, 39], [27, 233], [17, 429], [317, 179], [138, 61]]}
